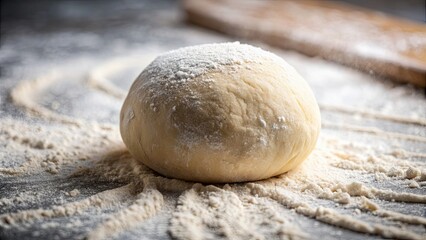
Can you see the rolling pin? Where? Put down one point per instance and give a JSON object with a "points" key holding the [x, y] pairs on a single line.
{"points": [[364, 39]]}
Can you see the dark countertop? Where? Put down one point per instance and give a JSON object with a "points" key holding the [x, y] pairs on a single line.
{"points": [[39, 35]]}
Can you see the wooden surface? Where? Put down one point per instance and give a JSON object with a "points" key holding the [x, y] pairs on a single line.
{"points": [[360, 38], [89, 44]]}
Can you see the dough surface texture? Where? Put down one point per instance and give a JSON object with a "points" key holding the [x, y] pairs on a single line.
{"points": [[214, 113]]}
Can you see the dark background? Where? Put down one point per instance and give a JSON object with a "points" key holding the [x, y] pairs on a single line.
{"points": [[44, 15], [54, 31]]}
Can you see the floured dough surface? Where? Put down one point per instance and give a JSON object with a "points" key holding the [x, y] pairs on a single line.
{"points": [[66, 174], [225, 112]]}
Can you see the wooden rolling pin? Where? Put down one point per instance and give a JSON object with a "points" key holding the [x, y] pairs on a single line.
{"points": [[364, 39]]}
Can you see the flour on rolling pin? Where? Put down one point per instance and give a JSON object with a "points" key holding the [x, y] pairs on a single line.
{"points": [[363, 39]]}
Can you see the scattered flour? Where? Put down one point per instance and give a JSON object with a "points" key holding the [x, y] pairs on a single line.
{"points": [[330, 182]]}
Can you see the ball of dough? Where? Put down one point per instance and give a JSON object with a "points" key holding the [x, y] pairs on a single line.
{"points": [[225, 112]]}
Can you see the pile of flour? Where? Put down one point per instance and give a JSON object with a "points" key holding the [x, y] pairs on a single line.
{"points": [[347, 182]]}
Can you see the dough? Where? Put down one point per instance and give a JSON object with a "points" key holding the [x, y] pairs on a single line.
{"points": [[225, 112]]}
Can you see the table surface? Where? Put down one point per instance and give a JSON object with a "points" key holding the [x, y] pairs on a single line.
{"points": [[68, 64]]}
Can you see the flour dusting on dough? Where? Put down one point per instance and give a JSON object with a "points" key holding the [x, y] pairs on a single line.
{"points": [[344, 183]]}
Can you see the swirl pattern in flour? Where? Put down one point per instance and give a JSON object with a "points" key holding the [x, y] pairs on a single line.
{"points": [[360, 178]]}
